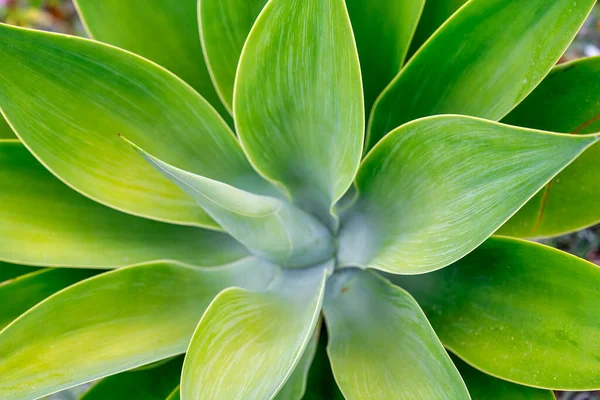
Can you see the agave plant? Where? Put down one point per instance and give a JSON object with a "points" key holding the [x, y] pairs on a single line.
{"points": [[236, 190]]}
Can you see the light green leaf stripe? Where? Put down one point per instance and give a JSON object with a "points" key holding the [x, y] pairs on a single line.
{"points": [[68, 98], [295, 387], [268, 226], [5, 130], [383, 30], [253, 338], [113, 322], [298, 100], [164, 31], [508, 52], [44, 222], [175, 394], [485, 387], [150, 384], [435, 13], [436, 188], [519, 311], [21, 293], [566, 101], [381, 346], [224, 27]]}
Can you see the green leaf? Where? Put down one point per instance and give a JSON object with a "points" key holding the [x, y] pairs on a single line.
{"points": [[298, 100], [268, 226], [224, 27], [165, 32], [175, 395], [150, 384], [566, 101], [68, 98], [44, 222], [113, 322], [381, 345], [5, 130], [295, 386], [485, 387], [248, 342], [482, 62], [383, 30], [21, 293], [435, 13], [436, 188], [11, 271], [518, 310], [321, 384]]}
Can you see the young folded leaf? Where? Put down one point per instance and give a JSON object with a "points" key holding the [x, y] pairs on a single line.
{"points": [[436, 188]]}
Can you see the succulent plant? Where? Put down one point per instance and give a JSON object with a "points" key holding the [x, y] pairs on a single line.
{"points": [[246, 169]]}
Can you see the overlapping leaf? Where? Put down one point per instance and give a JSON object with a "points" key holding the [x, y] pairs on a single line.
{"points": [[113, 322], [5, 130], [381, 345], [435, 188], [44, 222], [518, 310]]}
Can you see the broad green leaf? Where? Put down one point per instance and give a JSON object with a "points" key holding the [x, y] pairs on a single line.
{"points": [[518, 310], [485, 387], [298, 100], [435, 13], [23, 292], [566, 101], [383, 30], [268, 226], [113, 322], [5, 130], [381, 346], [484, 60], [224, 27], [436, 188], [248, 342], [11, 271], [150, 384], [295, 386], [164, 31], [68, 98], [44, 222]]}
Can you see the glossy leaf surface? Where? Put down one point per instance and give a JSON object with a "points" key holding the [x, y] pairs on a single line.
{"points": [[298, 100], [253, 338], [494, 54], [566, 101], [383, 30], [149, 384], [68, 98], [518, 310], [434, 189], [113, 322], [381, 346], [21, 293], [224, 27], [44, 222], [268, 226]]}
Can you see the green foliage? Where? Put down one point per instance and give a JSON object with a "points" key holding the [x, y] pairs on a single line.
{"points": [[212, 156]]}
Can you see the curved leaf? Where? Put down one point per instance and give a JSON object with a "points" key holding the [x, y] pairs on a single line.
{"points": [[381, 346], [175, 394], [5, 130], [11, 271], [298, 100], [164, 31], [435, 188], [150, 384], [21, 293], [113, 322], [253, 338], [518, 310], [566, 101], [268, 226], [482, 62], [224, 27], [67, 99], [44, 222], [485, 387], [383, 30], [435, 13]]}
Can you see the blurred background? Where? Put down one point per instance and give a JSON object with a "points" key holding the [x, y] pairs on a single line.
{"points": [[61, 16]]}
